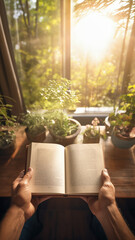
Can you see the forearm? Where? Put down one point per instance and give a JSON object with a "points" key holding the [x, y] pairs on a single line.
{"points": [[12, 224], [114, 225]]}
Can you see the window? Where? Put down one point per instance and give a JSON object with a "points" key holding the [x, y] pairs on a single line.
{"points": [[102, 50], [35, 32], [89, 42]]}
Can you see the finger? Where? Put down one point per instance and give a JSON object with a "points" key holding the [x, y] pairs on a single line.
{"points": [[18, 179], [27, 177], [105, 176]]}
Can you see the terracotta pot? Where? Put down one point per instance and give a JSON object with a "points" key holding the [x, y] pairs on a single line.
{"points": [[68, 139], [38, 137], [121, 141], [87, 139]]}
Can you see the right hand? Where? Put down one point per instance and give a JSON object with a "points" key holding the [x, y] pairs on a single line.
{"points": [[106, 196]]}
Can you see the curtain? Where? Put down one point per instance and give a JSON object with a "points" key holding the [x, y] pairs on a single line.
{"points": [[9, 83]]}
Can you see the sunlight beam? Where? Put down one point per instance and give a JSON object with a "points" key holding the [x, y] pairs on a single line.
{"points": [[93, 34]]}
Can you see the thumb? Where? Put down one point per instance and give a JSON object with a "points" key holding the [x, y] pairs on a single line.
{"points": [[27, 177], [18, 180], [105, 176]]}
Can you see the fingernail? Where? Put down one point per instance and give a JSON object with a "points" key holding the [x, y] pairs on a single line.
{"points": [[22, 173], [105, 170], [30, 169]]}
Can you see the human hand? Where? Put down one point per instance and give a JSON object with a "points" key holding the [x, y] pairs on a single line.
{"points": [[106, 196], [21, 194]]}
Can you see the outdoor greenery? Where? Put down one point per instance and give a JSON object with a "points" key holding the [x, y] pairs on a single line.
{"points": [[35, 27], [58, 94], [35, 30], [103, 82]]}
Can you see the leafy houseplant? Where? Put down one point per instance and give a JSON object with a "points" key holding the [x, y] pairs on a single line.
{"points": [[7, 134], [123, 134], [123, 124], [128, 101], [35, 129], [92, 132], [63, 129], [57, 97]]}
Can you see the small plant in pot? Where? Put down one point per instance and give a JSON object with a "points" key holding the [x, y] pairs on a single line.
{"points": [[63, 129], [92, 132], [35, 127], [7, 134], [123, 134], [57, 98]]}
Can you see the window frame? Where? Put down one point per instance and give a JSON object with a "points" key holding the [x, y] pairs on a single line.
{"points": [[9, 84], [66, 37]]}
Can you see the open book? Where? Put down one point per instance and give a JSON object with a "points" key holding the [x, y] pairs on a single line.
{"points": [[75, 169]]}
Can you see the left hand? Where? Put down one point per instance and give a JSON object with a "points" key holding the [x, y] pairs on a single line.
{"points": [[21, 194]]}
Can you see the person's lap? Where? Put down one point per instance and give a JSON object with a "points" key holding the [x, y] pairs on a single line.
{"points": [[33, 227]]}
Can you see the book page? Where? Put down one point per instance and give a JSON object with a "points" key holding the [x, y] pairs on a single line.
{"points": [[84, 163], [48, 163]]}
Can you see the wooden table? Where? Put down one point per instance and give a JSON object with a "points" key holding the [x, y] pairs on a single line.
{"points": [[119, 162]]}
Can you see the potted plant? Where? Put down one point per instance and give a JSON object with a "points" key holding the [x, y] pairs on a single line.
{"points": [[123, 124], [7, 134], [63, 129], [57, 98], [92, 132], [123, 134], [35, 127]]}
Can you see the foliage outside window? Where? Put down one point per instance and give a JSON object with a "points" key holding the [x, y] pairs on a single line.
{"points": [[35, 32], [102, 47], [103, 41]]}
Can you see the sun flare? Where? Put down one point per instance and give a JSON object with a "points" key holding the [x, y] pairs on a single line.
{"points": [[93, 34]]}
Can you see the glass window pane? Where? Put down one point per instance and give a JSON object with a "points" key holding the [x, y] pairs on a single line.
{"points": [[100, 65], [35, 32]]}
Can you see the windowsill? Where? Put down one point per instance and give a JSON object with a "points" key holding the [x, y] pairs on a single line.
{"points": [[93, 111], [86, 115]]}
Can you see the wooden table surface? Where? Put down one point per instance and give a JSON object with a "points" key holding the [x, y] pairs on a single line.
{"points": [[119, 162]]}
